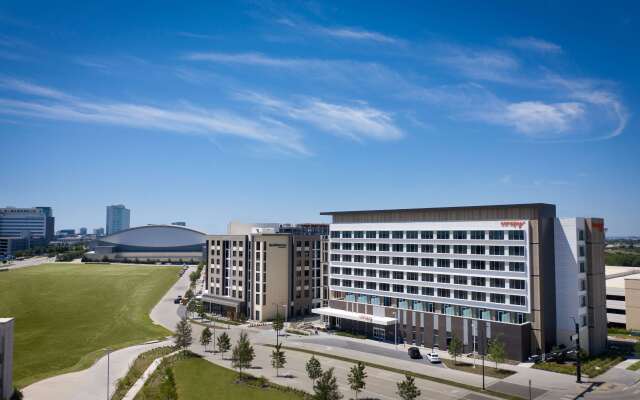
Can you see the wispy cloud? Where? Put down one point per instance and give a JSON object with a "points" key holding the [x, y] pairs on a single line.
{"points": [[488, 65], [355, 34], [258, 59], [536, 118], [358, 122], [185, 119], [193, 35], [534, 44]]}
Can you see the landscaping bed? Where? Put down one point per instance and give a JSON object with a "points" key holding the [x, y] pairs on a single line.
{"points": [[137, 368], [488, 371]]}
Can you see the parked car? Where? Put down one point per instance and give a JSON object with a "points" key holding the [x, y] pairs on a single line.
{"points": [[433, 358], [414, 353], [177, 300]]}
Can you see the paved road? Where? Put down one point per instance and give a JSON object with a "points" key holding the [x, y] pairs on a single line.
{"points": [[90, 384]]}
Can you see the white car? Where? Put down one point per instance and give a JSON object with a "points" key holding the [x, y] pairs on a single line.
{"points": [[433, 358]]}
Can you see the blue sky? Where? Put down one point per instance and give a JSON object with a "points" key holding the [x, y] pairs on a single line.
{"points": [[275, 111]]}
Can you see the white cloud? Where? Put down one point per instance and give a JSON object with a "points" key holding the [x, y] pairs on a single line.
{"points": [[184, 119], [355, 34], [358, 122], [538, 118], [489, 65], [534, 44], [258, 59]]}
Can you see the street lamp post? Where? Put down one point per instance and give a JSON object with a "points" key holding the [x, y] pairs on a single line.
{"points": [[483, 388], [578, 361], [108, 349]]}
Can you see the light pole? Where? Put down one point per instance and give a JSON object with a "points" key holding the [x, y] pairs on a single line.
{"points": [[483, 388], [108, 349], [578, 361]]}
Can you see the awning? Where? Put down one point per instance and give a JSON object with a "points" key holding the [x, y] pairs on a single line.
{"points": [[354, 316], [223, 301]]}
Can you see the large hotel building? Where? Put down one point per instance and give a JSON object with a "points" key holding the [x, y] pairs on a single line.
{"points": [[422, 276]]}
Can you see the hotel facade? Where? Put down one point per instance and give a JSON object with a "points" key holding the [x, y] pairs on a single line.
{"points": [[516, 273]]}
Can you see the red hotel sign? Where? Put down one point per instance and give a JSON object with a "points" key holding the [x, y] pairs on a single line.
{"points": [[513, 224]]}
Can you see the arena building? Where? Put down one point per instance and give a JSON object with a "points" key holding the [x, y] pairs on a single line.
{"points": [[150, 243]]}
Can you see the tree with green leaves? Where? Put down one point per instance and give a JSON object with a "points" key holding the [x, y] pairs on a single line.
{"points": [[455, 348], [278, 359], [182, 337], [326, 387], [189, 294], [314, 370], [407, 389], [497, 351], [200, 309], [167, 387], [242, 353], [224, 343], [191, 307], [205, 338], [193, 277], [356, 378], [278, 324]]}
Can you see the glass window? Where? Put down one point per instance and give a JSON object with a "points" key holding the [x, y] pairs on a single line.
{"points": [[516, 267], [496, 235], [346, 234], [478, 264], [383, 274], [443, 263], [397, 234], [444, 293], [462, 264], [460, 249], [412, 234], [383, 287], [398, 247], [477, 249], [427, 291], [444, 278], [516, 250], [426, 262], [398, 288], [371, 247], [412, 276], [398, 275], [460, 235], [460, 294], [497, 298], [478, 296], [371, 259], [443, 248], [383, 260], [383, 234], [346, 246], [460, 279], [443, 235], [358, 246], [397, 260], [426, 234], [371, 273], [497, 282], [412, 261], [517, 300], [580, 234], [478, 281], [477, 235], [496, 265], [412, 289], [358, 234], [426, 248], [412, 248], [383, 247], [516, 235], [516, 284], [496, 250], [371, 234], [426, 277]]}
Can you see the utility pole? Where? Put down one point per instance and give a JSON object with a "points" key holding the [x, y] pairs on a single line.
{"points": [[529, 389], [578, 361]]}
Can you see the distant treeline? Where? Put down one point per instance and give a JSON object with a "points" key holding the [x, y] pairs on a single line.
{"points": [[622, 258]]}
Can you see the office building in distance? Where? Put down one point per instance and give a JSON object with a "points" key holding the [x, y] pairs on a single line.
{"points": [[258, 270], [513, 272], [23, 228], [118, 218]]}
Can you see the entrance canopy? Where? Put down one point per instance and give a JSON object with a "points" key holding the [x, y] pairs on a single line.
{"points": [[354, 316]]}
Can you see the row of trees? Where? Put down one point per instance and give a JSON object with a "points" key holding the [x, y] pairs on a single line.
{"points": [[496, 350]]}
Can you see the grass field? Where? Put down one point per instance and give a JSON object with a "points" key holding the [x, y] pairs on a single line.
{"points": [[67, 313], [199, 379]]}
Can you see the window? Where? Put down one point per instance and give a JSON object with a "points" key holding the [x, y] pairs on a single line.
{"points": [[346, 271], [358, 235], [346, 246], [459, 249], [412, 248], [335, 234], [358, 272], [497, 282], [583, 320], [478, 281], [443, 248], [444, 278], [412, 234], [412, 276], [460, 294], [371, 259], [583, 284], [383, 234], [371, 273], [516, 267], [358, 259], [370, 234], [460, 279], [334, 270], [383, 247], [334, 246], [477, 235], [412, 289], [442, 263], [582, 269], [398, 247], [443, 235], [460, 264], [478, 296], [346, 258], [516, 250], [583, 301], [426, 262], [383, 260], [477, 249], [516, 235], [517, 300], [346, 283], [397, 234], [478, 264], [460, 235], [581, 251], [426, 248], [426, 234], [398, 288], [412, 261], [358, 284], [371, 285], [397, 260], [496, 265], [427, 291], [383, 274], [497, 298], [496, 250], [496, 235], [580, 234], [383, 287], [346, 234], [516, 284], [426, 277], [398, 275], [444, 293]]}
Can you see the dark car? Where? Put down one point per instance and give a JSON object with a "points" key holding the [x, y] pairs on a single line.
{"points": [[414, 353], [177, 300]]}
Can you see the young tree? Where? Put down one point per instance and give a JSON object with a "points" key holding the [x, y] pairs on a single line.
{"points": [[224, 343], [242, 354], [314, 370], [407, 389], [193, 277], [191, 307], [278, 359], [182, 337], [205, 337], [326, 387], [455, 348], [356, 378], [497, 351], [200, 309], [278, 324], [189, 294]]}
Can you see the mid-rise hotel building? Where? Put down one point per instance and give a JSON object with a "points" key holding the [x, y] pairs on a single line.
{"points": [[514, 272]]}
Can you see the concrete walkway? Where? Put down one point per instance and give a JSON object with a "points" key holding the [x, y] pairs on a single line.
{"points": [[166, 313], [131, 394]]}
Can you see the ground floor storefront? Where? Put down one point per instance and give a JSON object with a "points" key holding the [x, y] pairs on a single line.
{"points": [[225, 307]]}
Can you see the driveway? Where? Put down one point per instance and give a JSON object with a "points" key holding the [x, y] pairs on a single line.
{"points": [[166, 313]]}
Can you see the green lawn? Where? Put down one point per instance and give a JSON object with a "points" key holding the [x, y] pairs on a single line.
{"points": [[66, 313], [199, 379]]}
